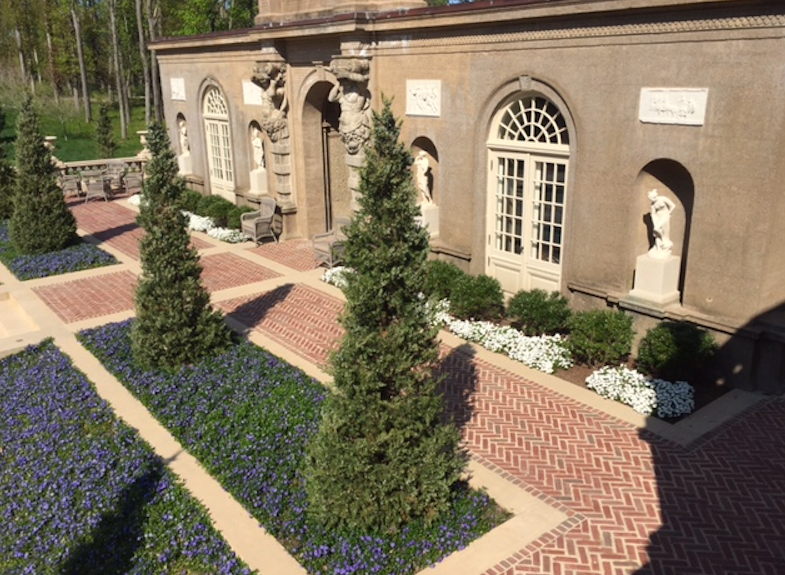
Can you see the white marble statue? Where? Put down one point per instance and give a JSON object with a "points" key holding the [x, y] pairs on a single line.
{"points": [[661, 210], [422, 166], [185, 147], [258, 149]]}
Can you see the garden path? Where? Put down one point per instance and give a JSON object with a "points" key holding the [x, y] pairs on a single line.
{"points": [[615, 492]]}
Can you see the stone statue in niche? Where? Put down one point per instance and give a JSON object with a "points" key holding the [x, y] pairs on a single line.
{"points": [[660, 211], [422, 167], [271, 78], [258, 149], [185, 147], [352, 93]]}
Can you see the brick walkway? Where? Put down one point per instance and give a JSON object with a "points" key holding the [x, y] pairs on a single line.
{"points": [[634, 502]]}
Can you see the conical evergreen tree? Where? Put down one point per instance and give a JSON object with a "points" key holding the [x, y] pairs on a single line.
{"points": [[175, 323], [104, 134], [383, 455], [41, 221]]}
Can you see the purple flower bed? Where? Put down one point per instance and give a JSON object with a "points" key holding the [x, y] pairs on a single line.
{"points": [[248, 416], [74, 258], [82, 493]]}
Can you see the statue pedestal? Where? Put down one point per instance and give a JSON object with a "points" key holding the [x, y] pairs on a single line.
{"points": [[184, 164], [657, 280], [430, 218], [258, 182]]}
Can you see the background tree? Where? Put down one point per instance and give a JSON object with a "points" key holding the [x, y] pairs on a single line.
{"points": [[6, 176], [383, 456], [104, 133], [41, 221], [175, 323]]}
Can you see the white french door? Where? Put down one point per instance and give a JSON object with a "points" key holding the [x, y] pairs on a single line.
{"points": [[526, 220]]}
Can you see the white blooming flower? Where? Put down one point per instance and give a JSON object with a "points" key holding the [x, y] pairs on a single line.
{"points": [[227, 235], [644, 395], [336, 276], [198, 223]]}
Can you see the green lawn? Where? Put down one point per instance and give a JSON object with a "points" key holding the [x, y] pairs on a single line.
{"points": [[75, 138]]}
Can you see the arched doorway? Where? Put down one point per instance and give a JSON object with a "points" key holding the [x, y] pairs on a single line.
{"points": [[218, 138], [528, 150], [326, 173]]}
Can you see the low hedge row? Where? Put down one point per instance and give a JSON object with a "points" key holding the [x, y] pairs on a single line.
{"points": [[224, 213], [671, 350]]}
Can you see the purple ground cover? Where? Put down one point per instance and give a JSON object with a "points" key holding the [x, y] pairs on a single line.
{"points": [[248, 416], [78, 257], [82, 493]]}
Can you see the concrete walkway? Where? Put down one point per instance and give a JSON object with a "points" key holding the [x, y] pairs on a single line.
{"points": [[595, 488]]}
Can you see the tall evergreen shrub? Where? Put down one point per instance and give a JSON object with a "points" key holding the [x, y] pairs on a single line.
{"points": [[175, 323], [383, 456], [41, 221], [103, 132]]}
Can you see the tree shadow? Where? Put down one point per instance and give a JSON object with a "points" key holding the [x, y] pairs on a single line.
{"points": [[459, 384], [110, 548], [108, 234], [722, 501], [251, 313]]}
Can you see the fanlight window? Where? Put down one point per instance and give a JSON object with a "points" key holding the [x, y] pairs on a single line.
{"points": [[533, 119], [215, 104]]}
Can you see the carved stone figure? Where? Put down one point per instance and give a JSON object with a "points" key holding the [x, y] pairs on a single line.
{"points": [[422, 166], [660, 211], [271, 78], [352, 93], [185, 147], [258, 149]]}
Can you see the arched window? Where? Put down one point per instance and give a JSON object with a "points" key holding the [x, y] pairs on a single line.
{"points": [[528, 148], [219, 148]]}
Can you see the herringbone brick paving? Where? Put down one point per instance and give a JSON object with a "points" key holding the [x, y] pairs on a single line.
{"points": [[89, 298], [639, 504], [222, 271], [635, 502], [286, 315], [296, 254], [115, 225]]}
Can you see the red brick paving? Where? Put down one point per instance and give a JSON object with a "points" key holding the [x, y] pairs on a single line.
{"points": [[298, 317], [225, 270], [635, 503], [296, 254], [116, 226], [92, 297]]}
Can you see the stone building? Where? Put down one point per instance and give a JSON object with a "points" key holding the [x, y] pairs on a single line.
{"points": [[544, 125]]}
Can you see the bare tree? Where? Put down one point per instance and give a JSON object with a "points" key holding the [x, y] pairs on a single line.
{"points": [[74, 9], [145, 61], [122, 94]]}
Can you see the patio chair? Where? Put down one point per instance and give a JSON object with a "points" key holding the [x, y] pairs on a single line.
{"points": [[97, 186], [70, 185], [328, 248], [132, 183], [262, 223]]}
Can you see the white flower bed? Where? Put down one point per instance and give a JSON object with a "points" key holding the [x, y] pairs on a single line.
{"points": [[135, 200], [548, 353], [545, 353], [198, 223], [227, 235], [644, 395], [336, 276]]}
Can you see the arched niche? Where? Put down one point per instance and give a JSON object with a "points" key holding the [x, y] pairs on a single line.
{"points": [[672, 180], [424, 144]]}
